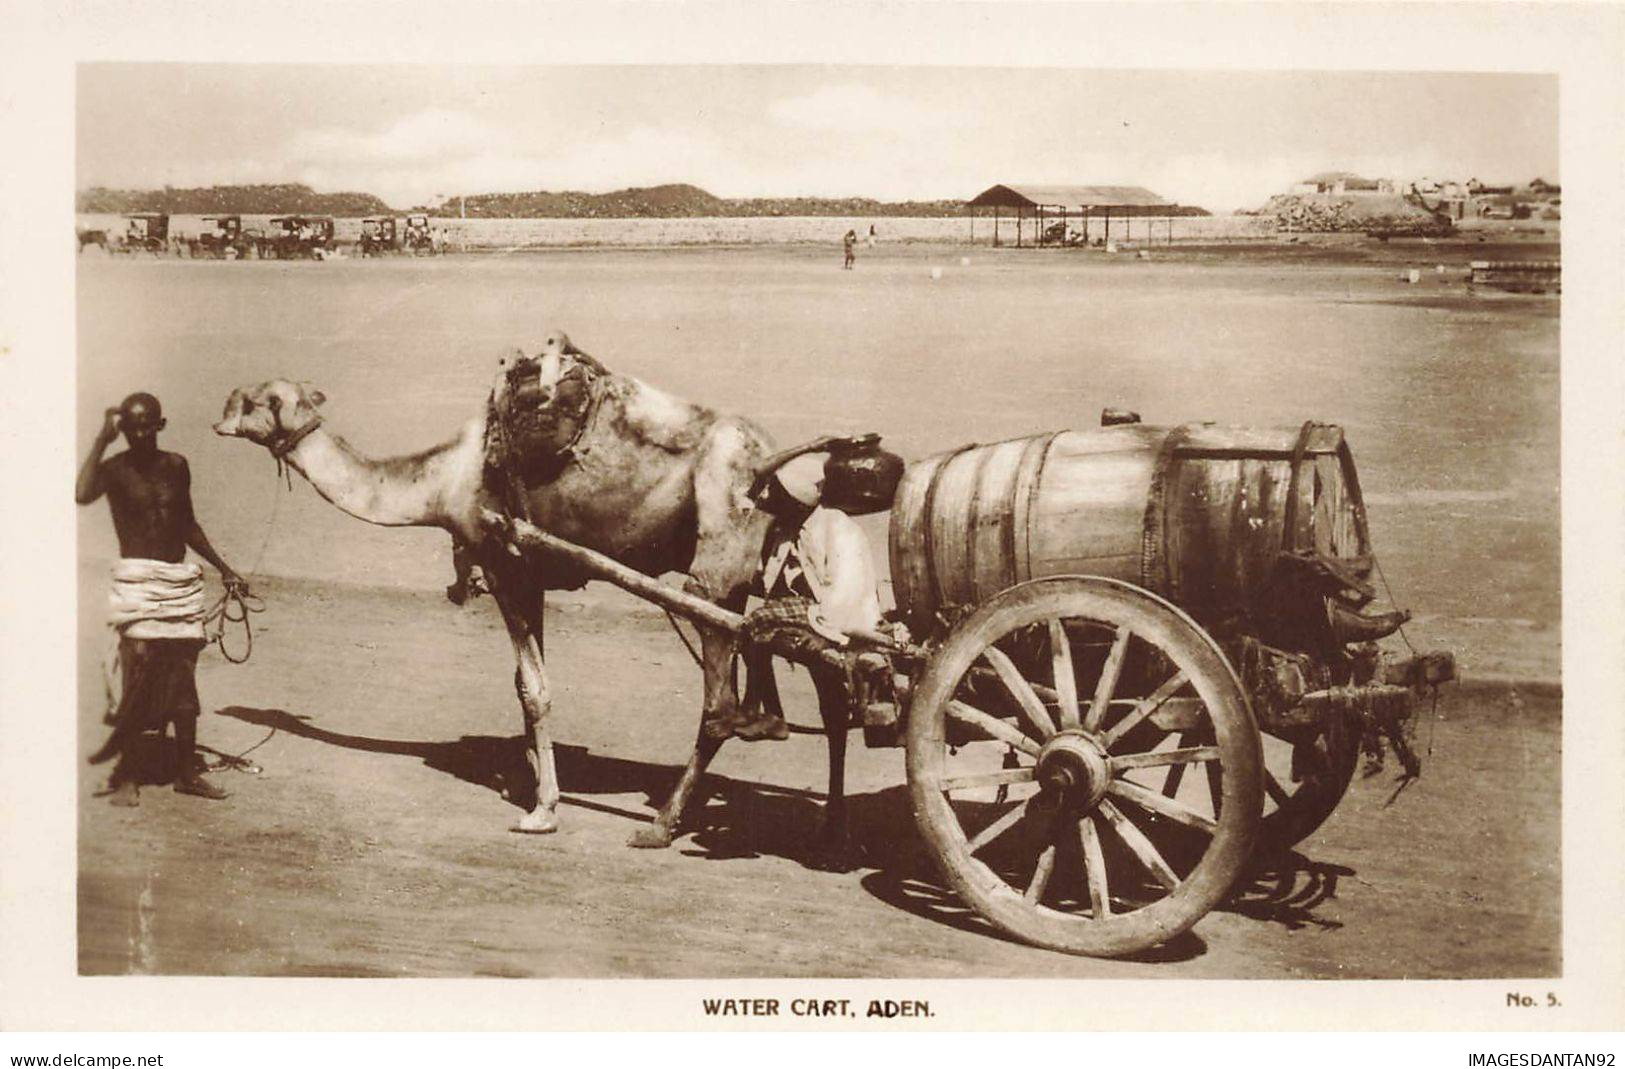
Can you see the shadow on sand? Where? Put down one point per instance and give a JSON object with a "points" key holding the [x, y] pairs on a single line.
{"points": [[732, 819]]}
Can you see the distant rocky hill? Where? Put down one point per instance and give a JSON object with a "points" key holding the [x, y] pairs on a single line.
{"points": [[659, 202], [650, 202], [230, 200], [674, 201], [1386, 213]]}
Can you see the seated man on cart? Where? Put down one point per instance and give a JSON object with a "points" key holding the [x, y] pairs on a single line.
{"points": [[819, 585]]}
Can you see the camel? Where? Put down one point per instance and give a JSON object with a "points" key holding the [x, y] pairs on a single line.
{"points": [[601, 459]]}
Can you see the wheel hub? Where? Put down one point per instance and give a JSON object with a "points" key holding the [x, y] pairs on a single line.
{"points": [[1072, 770]]}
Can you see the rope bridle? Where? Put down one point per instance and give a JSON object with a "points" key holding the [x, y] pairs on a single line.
{"points": [[287, 442]]}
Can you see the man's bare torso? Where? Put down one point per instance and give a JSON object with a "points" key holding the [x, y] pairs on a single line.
{"points": [[151, 500]]}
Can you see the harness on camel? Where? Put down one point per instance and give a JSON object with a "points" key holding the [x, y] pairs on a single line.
{"points": [[528, 443]]}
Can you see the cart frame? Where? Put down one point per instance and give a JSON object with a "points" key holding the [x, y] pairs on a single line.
{"points": [[1098, 695]]}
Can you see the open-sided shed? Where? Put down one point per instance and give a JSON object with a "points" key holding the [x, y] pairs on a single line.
{"points": [[1061, 204]]}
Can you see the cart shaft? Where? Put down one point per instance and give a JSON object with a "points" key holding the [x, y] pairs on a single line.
{"points": [[529, 536]]}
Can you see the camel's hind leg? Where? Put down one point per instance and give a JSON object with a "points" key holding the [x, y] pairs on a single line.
{"points": [[716, 657], [521, 605], [728, 547]]}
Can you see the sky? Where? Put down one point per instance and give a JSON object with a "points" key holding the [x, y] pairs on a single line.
{"points": [[410, 134]]}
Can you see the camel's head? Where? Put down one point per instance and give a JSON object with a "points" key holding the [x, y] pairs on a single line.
{"points": [[270, 412]]}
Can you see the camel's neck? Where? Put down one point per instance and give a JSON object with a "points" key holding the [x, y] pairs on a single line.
{"points": [[430, 489]]}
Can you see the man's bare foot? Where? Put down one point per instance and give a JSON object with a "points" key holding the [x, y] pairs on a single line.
{"points": [[198, 787], [766, 727], [125, 794]]}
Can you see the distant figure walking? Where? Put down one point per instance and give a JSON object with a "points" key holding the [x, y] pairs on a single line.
{"points": [[873, 237], [850, 245]]}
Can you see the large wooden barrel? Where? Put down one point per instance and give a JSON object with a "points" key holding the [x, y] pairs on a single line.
{"points": [[1199, 514]]}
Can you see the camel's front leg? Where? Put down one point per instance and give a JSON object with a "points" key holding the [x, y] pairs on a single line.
{"points": [[535, 701], [462, 572]]}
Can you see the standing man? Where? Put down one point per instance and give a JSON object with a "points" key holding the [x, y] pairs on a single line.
{"points": [[157, 597], [850, 245]]}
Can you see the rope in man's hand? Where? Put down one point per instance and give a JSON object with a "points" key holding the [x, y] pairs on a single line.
{"points": [[233, 607]]}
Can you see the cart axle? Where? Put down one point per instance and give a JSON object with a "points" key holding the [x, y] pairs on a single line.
{"points": [[1073, 769]]}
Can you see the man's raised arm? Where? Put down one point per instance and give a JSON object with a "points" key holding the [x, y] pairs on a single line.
{"points": [[89, 487]]}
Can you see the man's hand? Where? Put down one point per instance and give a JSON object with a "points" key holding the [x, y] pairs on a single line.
{"points": [[109, 431], [235, 584]]}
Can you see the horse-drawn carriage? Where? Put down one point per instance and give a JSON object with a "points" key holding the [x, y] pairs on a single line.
{"points": [[144, 232], [1137, 654], [418, 240], [298, 237], [224, 240], [378, 236]]}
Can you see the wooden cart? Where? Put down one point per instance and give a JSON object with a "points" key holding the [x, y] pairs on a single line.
{"points": [[1141, 654]]}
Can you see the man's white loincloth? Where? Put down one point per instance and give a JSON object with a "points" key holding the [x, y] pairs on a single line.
{"points": [[157, 599], [150, 599]]}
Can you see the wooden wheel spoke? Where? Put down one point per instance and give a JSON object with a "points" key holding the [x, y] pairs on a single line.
{"points": [[1041, 875], [1157, 803], [1176, 773], [1066, 682], [1110, 672], [1094, 868], [1021, 691], [1215, 786], [1140, 846], [1272, 786], [1167, 711], [1144, 709], [996, 829], [1154, 758], [988, 779], [992, 727]]}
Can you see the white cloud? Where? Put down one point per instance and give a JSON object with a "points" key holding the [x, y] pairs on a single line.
{"points": [[856, 108], [428, 135], [641, 157], [443, 153]]}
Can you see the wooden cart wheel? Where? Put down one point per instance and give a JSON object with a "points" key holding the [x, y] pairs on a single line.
{"points": [[1048, 744], [1304, 782]]}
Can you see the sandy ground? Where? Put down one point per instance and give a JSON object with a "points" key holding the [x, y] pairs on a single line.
{"points": [[374, 841]]}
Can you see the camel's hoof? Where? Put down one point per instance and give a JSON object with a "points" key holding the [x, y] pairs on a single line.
{"points": [[536, 822], [650, 837]]}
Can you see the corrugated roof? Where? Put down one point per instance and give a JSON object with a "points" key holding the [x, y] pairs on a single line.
{"points": [[1034, 196]]}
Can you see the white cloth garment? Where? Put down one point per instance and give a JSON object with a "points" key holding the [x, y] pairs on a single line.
{"points": [[157, 599], [831, 553], [149, 599]]}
